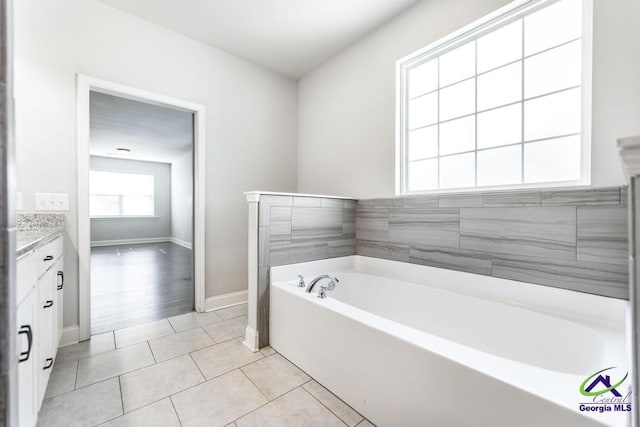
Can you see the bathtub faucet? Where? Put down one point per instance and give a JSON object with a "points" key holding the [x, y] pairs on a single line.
{"points": [[331, 286]]}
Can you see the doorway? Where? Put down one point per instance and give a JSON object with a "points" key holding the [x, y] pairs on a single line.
{"points": [[140, 206]]}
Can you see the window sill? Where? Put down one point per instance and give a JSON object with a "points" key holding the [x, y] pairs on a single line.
{"points": [[551, 186], [127, 217]]}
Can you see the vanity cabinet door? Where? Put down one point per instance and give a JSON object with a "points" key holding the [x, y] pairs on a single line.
{"points": [[26, 275], [46, 320], [26, 360], [59, 290]]}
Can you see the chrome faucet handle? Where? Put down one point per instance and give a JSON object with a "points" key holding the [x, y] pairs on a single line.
{"points": [[331, 286], [323, 292], [301, 283]]}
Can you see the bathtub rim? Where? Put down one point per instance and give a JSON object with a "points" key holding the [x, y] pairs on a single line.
{"points": [[584, 308]]}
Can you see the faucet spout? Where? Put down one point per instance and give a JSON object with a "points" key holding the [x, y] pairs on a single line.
{"points": [[319, 278]]}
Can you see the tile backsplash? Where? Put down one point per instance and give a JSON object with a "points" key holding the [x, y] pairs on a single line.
{"points": [[570, 239]]}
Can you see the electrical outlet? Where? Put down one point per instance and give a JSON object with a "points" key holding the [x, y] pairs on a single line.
{"points": [[51, 202], [61, 202]]}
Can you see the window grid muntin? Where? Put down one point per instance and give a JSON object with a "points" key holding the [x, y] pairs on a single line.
{"points": [[475, 114], [500, 146], [437, 52], [523, 58], [531, 98]]}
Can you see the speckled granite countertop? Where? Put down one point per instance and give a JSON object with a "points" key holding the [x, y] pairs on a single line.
{"points": [[35, 230], [31, 239]]}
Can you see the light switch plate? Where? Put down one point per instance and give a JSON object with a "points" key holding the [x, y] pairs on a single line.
{"points": [[52, 202]]}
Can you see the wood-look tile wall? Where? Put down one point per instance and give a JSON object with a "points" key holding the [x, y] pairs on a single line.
{"points": [[298, 229], [573, 239]]}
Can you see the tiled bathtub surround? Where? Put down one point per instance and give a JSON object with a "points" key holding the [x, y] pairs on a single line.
{"points": [[573, 239], [296, 229]]}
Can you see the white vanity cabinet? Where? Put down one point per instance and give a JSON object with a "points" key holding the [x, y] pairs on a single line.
{"points": [[40, 283]]}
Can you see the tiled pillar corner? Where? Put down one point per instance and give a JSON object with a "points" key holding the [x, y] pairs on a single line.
{"points": [[251, 333], [292, 229]]}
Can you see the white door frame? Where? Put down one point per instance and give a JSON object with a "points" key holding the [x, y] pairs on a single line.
{"points": [[86, 84]]}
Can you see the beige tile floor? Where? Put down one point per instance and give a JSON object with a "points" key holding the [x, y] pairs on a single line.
{"points": [[188, 370]]}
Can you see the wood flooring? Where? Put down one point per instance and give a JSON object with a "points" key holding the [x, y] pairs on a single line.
{"points": [[136, 284]]}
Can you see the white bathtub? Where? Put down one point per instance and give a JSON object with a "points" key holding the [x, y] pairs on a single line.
{"points": [[410, 345]]}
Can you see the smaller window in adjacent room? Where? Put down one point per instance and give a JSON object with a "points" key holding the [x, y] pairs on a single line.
{"points": [[503, 103], [115, 194]]}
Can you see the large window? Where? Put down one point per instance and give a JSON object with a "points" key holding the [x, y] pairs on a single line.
{"points": [[501, 105], [115, 194]]}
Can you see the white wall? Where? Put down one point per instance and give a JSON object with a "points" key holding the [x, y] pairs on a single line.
{"points": [[616, 85], [250, 117], [346, 107], [136, 228], [182, 198]]}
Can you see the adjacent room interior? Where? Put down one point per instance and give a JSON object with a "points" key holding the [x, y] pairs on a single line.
{"points": [[141, 208]]}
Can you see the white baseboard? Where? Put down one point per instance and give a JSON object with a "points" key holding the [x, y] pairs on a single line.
{"points": [[226, 300], [251, 339], [139, 241], [131, 241], [70, 335], [180, 242]]}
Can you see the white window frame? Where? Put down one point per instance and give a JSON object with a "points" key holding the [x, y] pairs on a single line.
{"points": [[120, 196], [509, 13]]}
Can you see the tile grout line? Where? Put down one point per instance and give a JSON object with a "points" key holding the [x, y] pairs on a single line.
{"points": [[155, 362], [325, 406], [121, 396], [75, 381], [218, 376], [239, 367], [199, 370], [141, 341], [138, 409], [261, 406], [197, 349], [329, 409], [209, 335], [256, 385], [81, 388], [174, 408], [123, 373], [160, 399]]}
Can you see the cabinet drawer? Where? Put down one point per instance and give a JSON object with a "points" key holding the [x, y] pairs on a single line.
{"points": [[48, 254], [26, 275]]}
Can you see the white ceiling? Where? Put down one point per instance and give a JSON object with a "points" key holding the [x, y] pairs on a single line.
{"points": [[152, 133], [291, 37]]}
